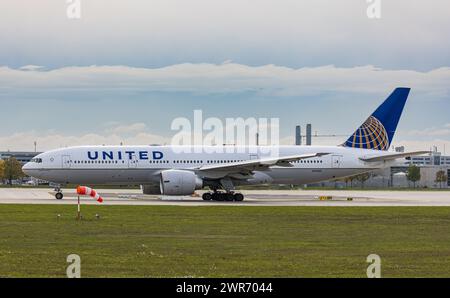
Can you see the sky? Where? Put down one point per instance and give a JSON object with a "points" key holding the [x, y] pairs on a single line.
{"points": [[126, 69]]}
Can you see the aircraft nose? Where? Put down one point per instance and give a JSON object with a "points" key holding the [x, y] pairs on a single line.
{"points": [[27, 168]]}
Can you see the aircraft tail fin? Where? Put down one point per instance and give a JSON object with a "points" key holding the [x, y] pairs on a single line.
{"points": [[378, 130]]}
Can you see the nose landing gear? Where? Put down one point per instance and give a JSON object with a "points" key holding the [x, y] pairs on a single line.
{"points": [[58, 195]]}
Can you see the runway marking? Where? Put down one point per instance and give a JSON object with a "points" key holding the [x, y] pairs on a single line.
{"points": [[253, 198]]}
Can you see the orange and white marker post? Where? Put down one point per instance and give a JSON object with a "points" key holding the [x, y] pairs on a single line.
{"points": [[79, 209], [87, 191]]}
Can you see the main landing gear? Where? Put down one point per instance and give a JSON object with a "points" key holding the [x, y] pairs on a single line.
{"points": [[223, 196]]}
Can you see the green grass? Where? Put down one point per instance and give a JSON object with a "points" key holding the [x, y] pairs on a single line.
{"points": [[176, 241]]}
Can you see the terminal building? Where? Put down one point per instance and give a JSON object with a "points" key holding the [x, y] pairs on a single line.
{"points": [[429, 166], [22, 156]]}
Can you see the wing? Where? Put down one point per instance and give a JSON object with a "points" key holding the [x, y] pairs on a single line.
{"points": [[387, 157], [255, 164]]}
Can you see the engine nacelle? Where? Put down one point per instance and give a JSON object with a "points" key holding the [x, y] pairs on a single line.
{"points": [[151, 189], [179, 182]]}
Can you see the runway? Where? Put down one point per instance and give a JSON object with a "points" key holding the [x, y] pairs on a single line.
{"points": [[252, 198]]}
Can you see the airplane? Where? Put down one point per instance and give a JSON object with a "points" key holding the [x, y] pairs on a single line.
{"points": [[162, 170]]}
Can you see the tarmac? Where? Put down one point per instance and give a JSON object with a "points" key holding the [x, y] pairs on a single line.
{"points": [[252, 198]]}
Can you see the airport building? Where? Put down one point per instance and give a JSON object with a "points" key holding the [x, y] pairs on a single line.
{"points": [[429, 166], [22, 156]]}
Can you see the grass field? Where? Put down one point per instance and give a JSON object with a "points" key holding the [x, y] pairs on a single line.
{"points": [[176, 241]]}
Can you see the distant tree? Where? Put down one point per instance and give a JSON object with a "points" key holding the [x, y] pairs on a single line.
{"points": [[362, 178], [2, 170], [12, 169], [441, 177], [413, 174]]}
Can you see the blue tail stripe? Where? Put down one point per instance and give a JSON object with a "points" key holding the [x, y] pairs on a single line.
{"points": [[390, 111]]}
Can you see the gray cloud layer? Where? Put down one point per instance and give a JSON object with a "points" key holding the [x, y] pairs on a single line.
{"points": [[111, 104], [226, 78], [411, 34]]}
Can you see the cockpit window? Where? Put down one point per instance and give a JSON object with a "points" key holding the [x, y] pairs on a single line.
{"points": [[36, 160]]}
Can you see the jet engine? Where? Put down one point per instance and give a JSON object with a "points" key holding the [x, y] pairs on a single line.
{"points": [[179, 182]]}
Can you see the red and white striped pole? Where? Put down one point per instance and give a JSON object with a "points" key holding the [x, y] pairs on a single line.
{"points": [[79, 209]]}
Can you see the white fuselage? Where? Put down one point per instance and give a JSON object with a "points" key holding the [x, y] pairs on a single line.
{"points": [[142, 165]]}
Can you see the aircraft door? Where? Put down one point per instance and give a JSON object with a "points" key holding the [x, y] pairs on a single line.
{"points": [[66, 161], [336, 161]]}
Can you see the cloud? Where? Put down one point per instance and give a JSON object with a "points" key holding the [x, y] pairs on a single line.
{"points": [[31, 67], [23, 141], [228, 78], [116, 133], [431, 131], [113, 104], [128, 129], [410, 33]]}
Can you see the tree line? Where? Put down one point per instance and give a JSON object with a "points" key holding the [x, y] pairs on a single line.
{"points": [[10, 169]]}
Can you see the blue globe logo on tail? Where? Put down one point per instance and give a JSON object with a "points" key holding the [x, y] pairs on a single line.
{"points": [[378, 130], [370, 135]]}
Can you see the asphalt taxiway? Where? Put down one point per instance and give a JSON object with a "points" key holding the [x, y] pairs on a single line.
{"points": [[252, 198]]}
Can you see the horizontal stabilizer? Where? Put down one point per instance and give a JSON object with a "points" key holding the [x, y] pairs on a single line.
{"points": [[387, 157]]}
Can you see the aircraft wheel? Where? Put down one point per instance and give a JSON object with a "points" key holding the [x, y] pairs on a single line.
{"points": [[238, 197], [207, 196], [229, 197], [219, 196], [59, 195]]}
